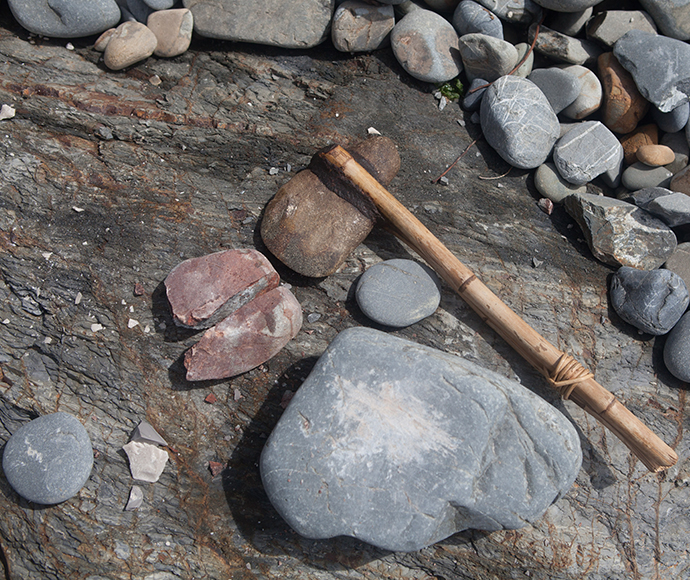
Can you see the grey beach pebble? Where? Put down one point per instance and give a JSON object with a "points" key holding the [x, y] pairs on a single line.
{"points": [[677, 349], [65, 18], [49, 459], [550, 184], [398, 292], [472, 17], [589, 98], [486, 57], [560, 86], [640, 176]]}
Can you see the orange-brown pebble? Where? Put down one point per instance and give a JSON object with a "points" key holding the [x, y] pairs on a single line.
{"points": [[655, 155], [644, 135]]}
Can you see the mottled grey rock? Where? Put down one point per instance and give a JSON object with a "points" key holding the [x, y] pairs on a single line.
{"points": [[671, 16], [472, 17], [427, 445], [563, 48], [65, 18], [426, 46], [569, 23], [674, 120], [641, 176], [659, 65], [677, 349], [486, 57], [608, 26], [518, 122], [360, 27], [643, 197], [589, 99], [652, 301], [273, 22], [49, 459], [567, 5], [679, 262], [473, 98], [621, 234], [587, 151], [550, 184], [399, 292], [560, 86], [517, 11]]}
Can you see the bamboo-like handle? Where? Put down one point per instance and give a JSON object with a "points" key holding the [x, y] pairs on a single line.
{"points": [[579, 385]]}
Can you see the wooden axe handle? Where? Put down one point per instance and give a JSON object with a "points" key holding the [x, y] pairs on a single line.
{"points": [[570, 378]]}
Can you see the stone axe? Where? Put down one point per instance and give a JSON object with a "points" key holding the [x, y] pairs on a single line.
{"points": [[346, 177]]}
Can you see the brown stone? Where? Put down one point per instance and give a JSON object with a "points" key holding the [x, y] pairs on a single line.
{"points": [[173, 30], [655, 155], [622, 104], [645, 135], [130, 43], [247, 338], [205, 290], [681, 181], [103, 40], [312, 230]]}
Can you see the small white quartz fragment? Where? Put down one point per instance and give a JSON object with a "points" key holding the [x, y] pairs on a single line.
{"points": [[146, 461], [136, 497], [6, 112]]}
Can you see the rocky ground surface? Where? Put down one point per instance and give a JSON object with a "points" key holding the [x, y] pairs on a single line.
{"points": [[110, 179]]}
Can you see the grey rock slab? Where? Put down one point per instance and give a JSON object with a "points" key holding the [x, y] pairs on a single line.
{"points": [[475, 92], [550, 184], [652, 301], [679, 262], [560, 86], [643, 197], [641, 176], [659, 65], [145, 433], [486, 57], [427, 445], [275, 22], [589, 99], [673, 209], [562, 48], [360, 27], [586, 151], [65, 18], [471, 17], [673, 120], [620, 233], [671, 16], [516, 11], [426, 46], [49, 459], [569, 23], [518, 122], [608, 26], [677, 349], [399, 292]]}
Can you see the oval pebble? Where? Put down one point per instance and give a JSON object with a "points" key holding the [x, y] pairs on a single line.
{"points": [[590, 96], [641, 176], [550, 184], [677, 349], [49, 459], [655, 155], [130, 43], [398, 292]]}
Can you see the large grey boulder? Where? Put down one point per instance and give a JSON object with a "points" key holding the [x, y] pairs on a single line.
{"points": [[65, 18], [402, 445]]}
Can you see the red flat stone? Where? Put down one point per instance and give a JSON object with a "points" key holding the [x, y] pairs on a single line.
{"points": [[202, 291], [247, 338]]}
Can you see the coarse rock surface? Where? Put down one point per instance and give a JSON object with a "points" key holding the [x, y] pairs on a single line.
{"points": [[408, 455], [108, 182]]}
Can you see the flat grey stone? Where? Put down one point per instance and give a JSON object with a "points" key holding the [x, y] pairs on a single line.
{"points": [[136, 498], [569, 23], [560, 86], [679, 262], [673, 209], [273, 22], [516, 11], [621, 234], [671, 16], [426, 46], [426, 445], [652, 301], [472, 17], [674, 120], [587, 151], [518, 122], [145, 433], [146, 461], [589, 99], [641, 176], [643, 197], [563, 48], [486, 57], [550, 184], [140, 10], [608, 26], [473, 100], [361, 27], [65, 18], [399, 292], [49, 459], [659, 65], [677, 349], [526, 67]]}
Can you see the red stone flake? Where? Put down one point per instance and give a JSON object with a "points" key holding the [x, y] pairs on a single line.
{"points": [[210, 398], [215, 468], [138, 289]]}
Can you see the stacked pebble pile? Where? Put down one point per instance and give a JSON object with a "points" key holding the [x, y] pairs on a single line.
{"points": [[577, 91]]}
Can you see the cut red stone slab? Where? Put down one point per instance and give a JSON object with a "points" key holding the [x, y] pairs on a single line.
{"points": [[247, 338], [203, 291]]}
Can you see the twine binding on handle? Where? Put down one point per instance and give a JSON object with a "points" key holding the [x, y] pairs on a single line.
{"points": [[567, 375]]}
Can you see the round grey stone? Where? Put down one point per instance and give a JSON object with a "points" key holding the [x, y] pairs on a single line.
{"points": [[677, 349], [550, 184], [560, 86], [652, 300], [641, 176], [66, 18], [472, 17], [589, 99], [673, 121], [398, 292], [49, 459], [486, 57], [518, 122]]}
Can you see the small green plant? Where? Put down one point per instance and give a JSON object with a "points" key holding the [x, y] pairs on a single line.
{"points": [[452, 90]]}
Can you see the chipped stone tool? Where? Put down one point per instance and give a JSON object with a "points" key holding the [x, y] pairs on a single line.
{"points": [[341, 173]]}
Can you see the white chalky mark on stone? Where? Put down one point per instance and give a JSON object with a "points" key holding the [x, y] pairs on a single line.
{"points": [[31, 452]]}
